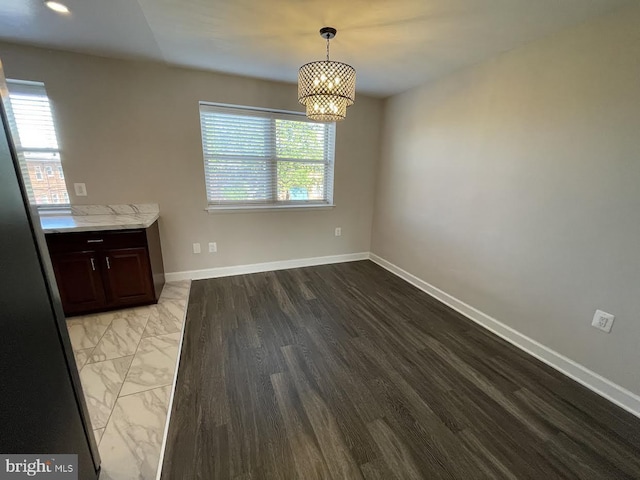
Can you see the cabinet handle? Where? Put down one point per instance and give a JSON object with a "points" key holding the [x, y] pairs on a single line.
{"points": [[93, 264], [108, 263], [100, 240]]}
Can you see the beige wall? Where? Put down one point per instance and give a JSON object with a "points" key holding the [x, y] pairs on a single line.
{"points": [[515, 187], [131, 132]]}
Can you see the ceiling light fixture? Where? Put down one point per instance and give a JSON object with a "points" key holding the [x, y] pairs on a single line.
{"points": [[57, 7], [326, 87]]}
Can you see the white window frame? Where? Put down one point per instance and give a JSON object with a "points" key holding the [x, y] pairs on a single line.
{"points": [[21, 150], [274, 204]]}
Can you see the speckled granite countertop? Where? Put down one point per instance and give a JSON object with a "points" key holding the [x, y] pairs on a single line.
{"points": [[87, 218]]}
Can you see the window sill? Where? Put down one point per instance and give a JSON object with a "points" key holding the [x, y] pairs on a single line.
{"points": [[266, 208], [43, 211]]}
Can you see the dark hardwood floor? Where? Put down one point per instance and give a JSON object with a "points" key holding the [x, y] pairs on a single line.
{"points": [[348, 372]]}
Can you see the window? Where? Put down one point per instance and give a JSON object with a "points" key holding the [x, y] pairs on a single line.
{"points": [[259, 158], [34, 135]]}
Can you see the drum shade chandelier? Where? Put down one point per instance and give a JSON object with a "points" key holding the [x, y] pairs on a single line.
{"points": [[326, 88]]}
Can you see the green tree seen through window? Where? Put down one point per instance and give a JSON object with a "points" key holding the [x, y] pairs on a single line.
{"points": [[300, 180]]}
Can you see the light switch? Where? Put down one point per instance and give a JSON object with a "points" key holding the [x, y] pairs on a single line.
{"points": [[81, 189]]}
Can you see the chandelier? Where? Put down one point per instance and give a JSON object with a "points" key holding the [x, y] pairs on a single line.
{"points": [[326, 88]]}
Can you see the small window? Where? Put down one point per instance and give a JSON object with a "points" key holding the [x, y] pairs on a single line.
{"points": [[34, 135], [261, 158]]}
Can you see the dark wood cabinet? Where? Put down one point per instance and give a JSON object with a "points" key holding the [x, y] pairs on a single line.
{"points": [[105, 270], [127, 273], [79, 281]]}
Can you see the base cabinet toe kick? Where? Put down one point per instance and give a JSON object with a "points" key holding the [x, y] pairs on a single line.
{"points": [[106, 270]]}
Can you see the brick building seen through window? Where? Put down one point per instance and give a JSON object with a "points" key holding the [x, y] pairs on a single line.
{"points": [[47, 187]]}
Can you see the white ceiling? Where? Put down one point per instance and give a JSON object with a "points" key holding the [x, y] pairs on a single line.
{"points": [[394, 44]]}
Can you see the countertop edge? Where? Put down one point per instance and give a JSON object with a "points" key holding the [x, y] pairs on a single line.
{"points": [[148, 220]]}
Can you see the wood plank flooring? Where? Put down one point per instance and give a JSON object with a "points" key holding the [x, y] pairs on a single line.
{"points": [[348, 372]]}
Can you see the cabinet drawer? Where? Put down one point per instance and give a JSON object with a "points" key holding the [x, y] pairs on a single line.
{"points": [[83, 241]]}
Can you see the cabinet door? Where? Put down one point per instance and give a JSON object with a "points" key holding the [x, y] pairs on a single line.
{"points": [[79, 281], [128, 276]]}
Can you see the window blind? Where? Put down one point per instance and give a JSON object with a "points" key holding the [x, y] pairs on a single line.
{"points": [[34, 136], [255, 157]]}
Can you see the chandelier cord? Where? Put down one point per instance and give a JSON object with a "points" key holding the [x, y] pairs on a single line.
{"points": [[327, 49]]}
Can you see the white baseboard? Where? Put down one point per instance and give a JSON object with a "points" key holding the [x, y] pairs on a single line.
{"points": [[263, 267], [597, 383]]}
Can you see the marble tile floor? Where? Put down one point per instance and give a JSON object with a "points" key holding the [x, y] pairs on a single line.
{"points": [[127, 361]]}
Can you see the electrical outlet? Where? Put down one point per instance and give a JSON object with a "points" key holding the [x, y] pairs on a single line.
{"points": [[603, 321], [196, 248], [338, 232], [81, 189], [213, 247]]}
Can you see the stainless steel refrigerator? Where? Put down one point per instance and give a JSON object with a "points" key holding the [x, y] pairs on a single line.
{"points": [[42, 407]]}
